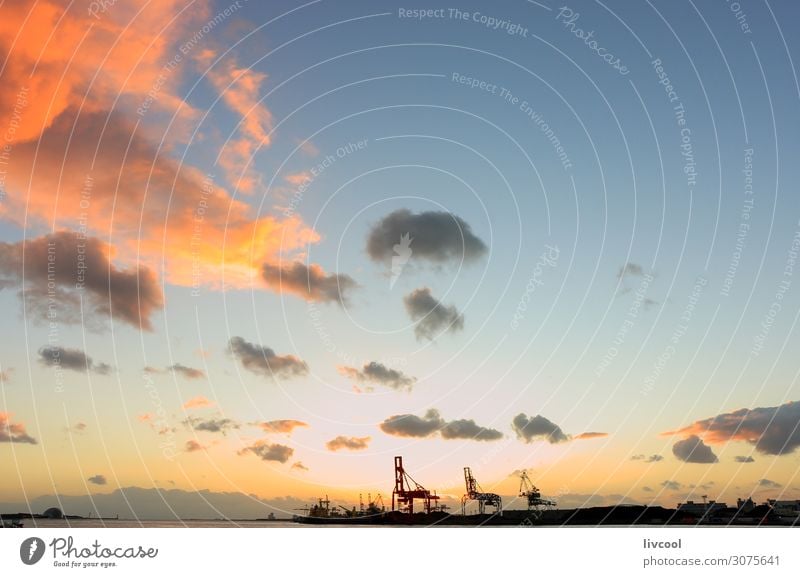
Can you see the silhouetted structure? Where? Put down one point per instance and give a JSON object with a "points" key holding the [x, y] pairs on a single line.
{"points": [[475, 493], [406, 489]]}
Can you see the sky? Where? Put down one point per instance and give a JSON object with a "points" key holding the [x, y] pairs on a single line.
{"points": [[262, 248]]}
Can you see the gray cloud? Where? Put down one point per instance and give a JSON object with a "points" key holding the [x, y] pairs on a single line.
{"points": [[693, 450], [647, 489], [530, 429], [187, 372], [432, 423], [308, 282], [56, 264], [193, 446], [269, 451], [630, 269], [263, 360], [646, 459], [744, 459], [349, 443], [211, 425], [671, 485], [435, 236], [773, 430], [380, 374], [412, 425], [432, 317], [98, 480], [13, 432], [71, 359], [182, 370], [468, 429], [767, 484]]}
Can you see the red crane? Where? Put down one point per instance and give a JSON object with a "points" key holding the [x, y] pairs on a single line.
{"points": [[407, 489]]}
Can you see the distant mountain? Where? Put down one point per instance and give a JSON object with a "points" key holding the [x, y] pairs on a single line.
{"points": [[143, 503]]}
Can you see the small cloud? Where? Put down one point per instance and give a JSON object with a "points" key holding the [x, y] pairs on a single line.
{"points": [[349, 443], [630, 269], [671, 485], [193, 446], [198, 402], [468, 429], [531, 429], [77, 429], [280, 426], [211, 425], [412, 425], [5, 375], [298, 465], [298, 178], [693, 450], [647, 489], [13, 432], [309, 148], [98, 480], [178, 369], [380, 374], [71, 359], [590, 435], [767, 484], [646, 459], [145, 417], [310, 282], [186, 372], [744, 459], [432, 317], [439, 237], [263, 360], [432, 423], [269, 451]]}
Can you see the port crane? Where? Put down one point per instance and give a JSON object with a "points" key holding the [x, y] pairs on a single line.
{"points": [[406, 489], [535, 502], [475, 493]]}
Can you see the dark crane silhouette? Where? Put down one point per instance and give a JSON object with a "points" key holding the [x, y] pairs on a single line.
{"points": [[475, 493]]}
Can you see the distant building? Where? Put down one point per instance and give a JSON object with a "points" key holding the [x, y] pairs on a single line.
{"points": [[704, 509], [785, 508], [745, 506]]}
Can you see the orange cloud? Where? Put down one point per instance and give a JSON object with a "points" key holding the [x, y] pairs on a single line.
{"points": [[13, 432], [298, 178], [84, 96], [349, 443], [197, 403], [192, 446], [281, 426], [240, 89], [590, 435], [772, 430], [67, 58]]}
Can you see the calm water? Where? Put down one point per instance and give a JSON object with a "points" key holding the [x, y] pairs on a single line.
{"points": [[95, 523]]}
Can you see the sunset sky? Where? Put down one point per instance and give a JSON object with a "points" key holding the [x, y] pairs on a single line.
{"points": [[262, 248]]}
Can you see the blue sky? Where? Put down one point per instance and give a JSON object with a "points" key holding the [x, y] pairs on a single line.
{"points": [[552, 147]]}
